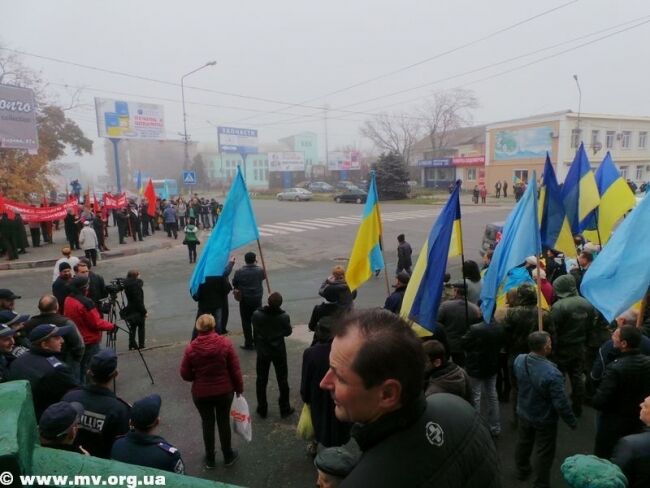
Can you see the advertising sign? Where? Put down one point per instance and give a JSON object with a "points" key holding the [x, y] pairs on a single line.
{"points": [[18, 119], [344, 161], [532, 143], [286, 161], [469, 161], [435, 163], [240, 141], [118, 119]]}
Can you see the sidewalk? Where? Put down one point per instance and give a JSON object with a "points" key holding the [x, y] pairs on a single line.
{"points": [[47, 254]]}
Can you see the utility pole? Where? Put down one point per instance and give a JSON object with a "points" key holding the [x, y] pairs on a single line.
{"points": [[575, 77], [327, 153]]}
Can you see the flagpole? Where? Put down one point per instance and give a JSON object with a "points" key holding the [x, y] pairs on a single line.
{"points": [[462, 260], [538, 279], [381, 246], [266, 275]]}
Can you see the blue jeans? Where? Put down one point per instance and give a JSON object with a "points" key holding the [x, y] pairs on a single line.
{"points": [[489, 386]]}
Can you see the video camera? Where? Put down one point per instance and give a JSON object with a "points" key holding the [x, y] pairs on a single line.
{"points": [[115, 286]]}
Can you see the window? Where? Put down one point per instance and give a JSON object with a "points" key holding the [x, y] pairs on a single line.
{"points": [[643, 138], [610, 139], [575, 138], [595, 136], [257, 175], [266, 175], [625, 139], [639, 173], [520, 175], [624, 172], [471, 174]]}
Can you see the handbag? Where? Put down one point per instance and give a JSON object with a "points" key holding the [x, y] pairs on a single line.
{"points": [[236, 294], [240, 418], [305, 428]]}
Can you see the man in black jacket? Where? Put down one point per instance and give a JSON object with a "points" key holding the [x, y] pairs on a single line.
{"points": [[135, 312], [50, 378], [394, 301], [375, 379], [212, 298], [632, 453], [271, 325], [105, 417], [625, 385], [455, 316], [96, 284], [404, 252], [73, 345], [248, 286], [482, 344], [60, 285]]}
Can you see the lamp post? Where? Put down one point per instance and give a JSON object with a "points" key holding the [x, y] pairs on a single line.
{"points": [[575, 77], [186, 140]]}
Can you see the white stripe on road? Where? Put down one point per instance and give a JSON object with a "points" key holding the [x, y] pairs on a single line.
{"points": [[299, 225], [272, 231], [284, 228], [328, 221], [310, 223]]}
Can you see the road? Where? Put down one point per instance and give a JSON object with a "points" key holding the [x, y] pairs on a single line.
{"points": [[301, 242]]}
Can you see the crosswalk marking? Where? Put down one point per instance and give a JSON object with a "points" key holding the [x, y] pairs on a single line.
{"points": [[311, 224], [333, 222], [283, 227], [300, 225]]}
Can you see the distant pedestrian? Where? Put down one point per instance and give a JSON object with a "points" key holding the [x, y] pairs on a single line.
{"points": [[483, 192], [475, 194], [89, 242], [404, 253], [497, 189], [70, 224], [394, 301], [271, 325], [541, 398], [505, 189], [68, 258], [247, 283], [191, 240]]}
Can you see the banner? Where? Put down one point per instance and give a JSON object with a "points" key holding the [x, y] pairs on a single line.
{"points": [[344, 161], [119, 119], [286, 161], [114, 201], [37, 214], [18, 119]]}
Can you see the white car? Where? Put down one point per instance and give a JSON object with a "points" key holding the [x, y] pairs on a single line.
{"points": [[296, 194]]}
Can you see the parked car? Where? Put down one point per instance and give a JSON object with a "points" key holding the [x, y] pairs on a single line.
{"points": [[352, 196], [320, 187], [345, 185], [297, 194]]}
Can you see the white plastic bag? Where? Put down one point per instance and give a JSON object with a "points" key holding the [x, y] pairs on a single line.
{"points": [[240, 418]]}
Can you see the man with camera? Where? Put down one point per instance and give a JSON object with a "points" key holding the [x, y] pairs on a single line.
{"points": [[135, 312]]}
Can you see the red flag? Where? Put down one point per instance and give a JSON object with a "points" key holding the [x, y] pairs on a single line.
{"points": [[150, 195]]}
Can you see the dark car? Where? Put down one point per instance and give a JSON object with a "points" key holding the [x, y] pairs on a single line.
{"points": [[320, 187], [345, 185], [352, 196]]}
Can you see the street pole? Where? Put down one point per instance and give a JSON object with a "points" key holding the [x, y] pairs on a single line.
{"points": [[116, 157], [327, 154], [186, 140], [575, 77]]}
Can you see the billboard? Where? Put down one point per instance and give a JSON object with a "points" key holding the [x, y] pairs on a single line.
{"points": [[343, 161], [119, 119], [240, 141], [286, 161], [435, 163], [18, 119], [531, 143]]}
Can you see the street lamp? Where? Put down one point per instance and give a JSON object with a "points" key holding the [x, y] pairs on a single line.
{"points": [[186, 163], [575, 77]]}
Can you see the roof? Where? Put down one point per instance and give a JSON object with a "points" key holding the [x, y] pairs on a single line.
{"points": [[456, 137]]}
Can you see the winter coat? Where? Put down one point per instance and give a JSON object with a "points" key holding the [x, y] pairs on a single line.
{"points": [[249, 280], [404, 253], [573, 316], [449, 378], [394, 301], [88, 238], [608, 353], [211, 364], [482, 344], [213, 293], [88, 321], [632, 455], [337, 291], [134, 297], [439, 442], [519, 322], [451, 315], [270, 327]]}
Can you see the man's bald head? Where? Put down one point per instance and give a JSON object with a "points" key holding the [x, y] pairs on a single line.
{"points": [[48, 304]]}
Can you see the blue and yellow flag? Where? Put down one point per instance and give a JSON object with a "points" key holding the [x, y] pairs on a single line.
{"points": [[366, 256], [580, 193], [620, 276], [520, 239], [616, 199], [235, 228], [555, 230], [424, 291]]}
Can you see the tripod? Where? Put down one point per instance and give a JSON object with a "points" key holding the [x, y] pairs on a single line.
{"points": [[116, 305]]}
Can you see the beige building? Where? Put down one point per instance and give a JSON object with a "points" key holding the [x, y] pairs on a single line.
{"points": [[516, 148]]}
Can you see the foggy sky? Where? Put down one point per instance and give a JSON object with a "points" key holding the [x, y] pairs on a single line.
{"points": [[292, 51]]}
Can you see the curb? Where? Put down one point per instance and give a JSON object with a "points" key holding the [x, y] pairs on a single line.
{"points": [[44, 263]]}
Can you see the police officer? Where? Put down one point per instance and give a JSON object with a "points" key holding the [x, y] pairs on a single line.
{"points": [[105, 416], [50, 378], [58, 427], [140, 446], [6, 347]]}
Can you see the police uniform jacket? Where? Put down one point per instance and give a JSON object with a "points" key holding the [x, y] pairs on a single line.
{"points": [[5, 361], [147, 450], [49, 377], [105, 418], [439, 442]]}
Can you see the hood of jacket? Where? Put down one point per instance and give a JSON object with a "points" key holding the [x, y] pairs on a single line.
{"points": [[565, 286]]}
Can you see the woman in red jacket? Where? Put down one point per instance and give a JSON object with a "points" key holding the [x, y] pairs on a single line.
{"points": [[211, 364], [79, 308]]}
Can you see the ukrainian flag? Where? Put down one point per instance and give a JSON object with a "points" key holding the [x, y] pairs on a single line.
{"points": [[580, 193], [554, 225], [366, 256], [616, 199], [424, 291]]}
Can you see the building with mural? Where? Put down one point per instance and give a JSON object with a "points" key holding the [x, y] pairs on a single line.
{"points": [[516, 148]]}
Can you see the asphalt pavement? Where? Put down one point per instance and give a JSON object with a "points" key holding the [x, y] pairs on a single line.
{"points": [[298, 257]]}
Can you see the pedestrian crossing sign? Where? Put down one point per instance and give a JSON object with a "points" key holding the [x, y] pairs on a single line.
{"points": [[189, 177]]}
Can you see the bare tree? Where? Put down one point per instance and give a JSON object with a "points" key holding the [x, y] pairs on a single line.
{"points": [[446, 111], [396, 133]]}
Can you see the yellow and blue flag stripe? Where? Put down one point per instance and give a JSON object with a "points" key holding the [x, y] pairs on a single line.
{"points": [[366, 256], [424, 291], [580, 193], [554, 226]]}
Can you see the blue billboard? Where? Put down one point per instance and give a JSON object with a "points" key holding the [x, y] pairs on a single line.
{"points": [[235, 140]]}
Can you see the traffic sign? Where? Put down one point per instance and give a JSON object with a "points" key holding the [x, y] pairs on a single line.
{"points": [[189, 177]]}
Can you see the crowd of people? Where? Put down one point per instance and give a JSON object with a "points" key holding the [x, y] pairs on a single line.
{"points": [[422, 409]]}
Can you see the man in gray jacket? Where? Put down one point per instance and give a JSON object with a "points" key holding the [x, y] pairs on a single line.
{"points": [[247, 284]]}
